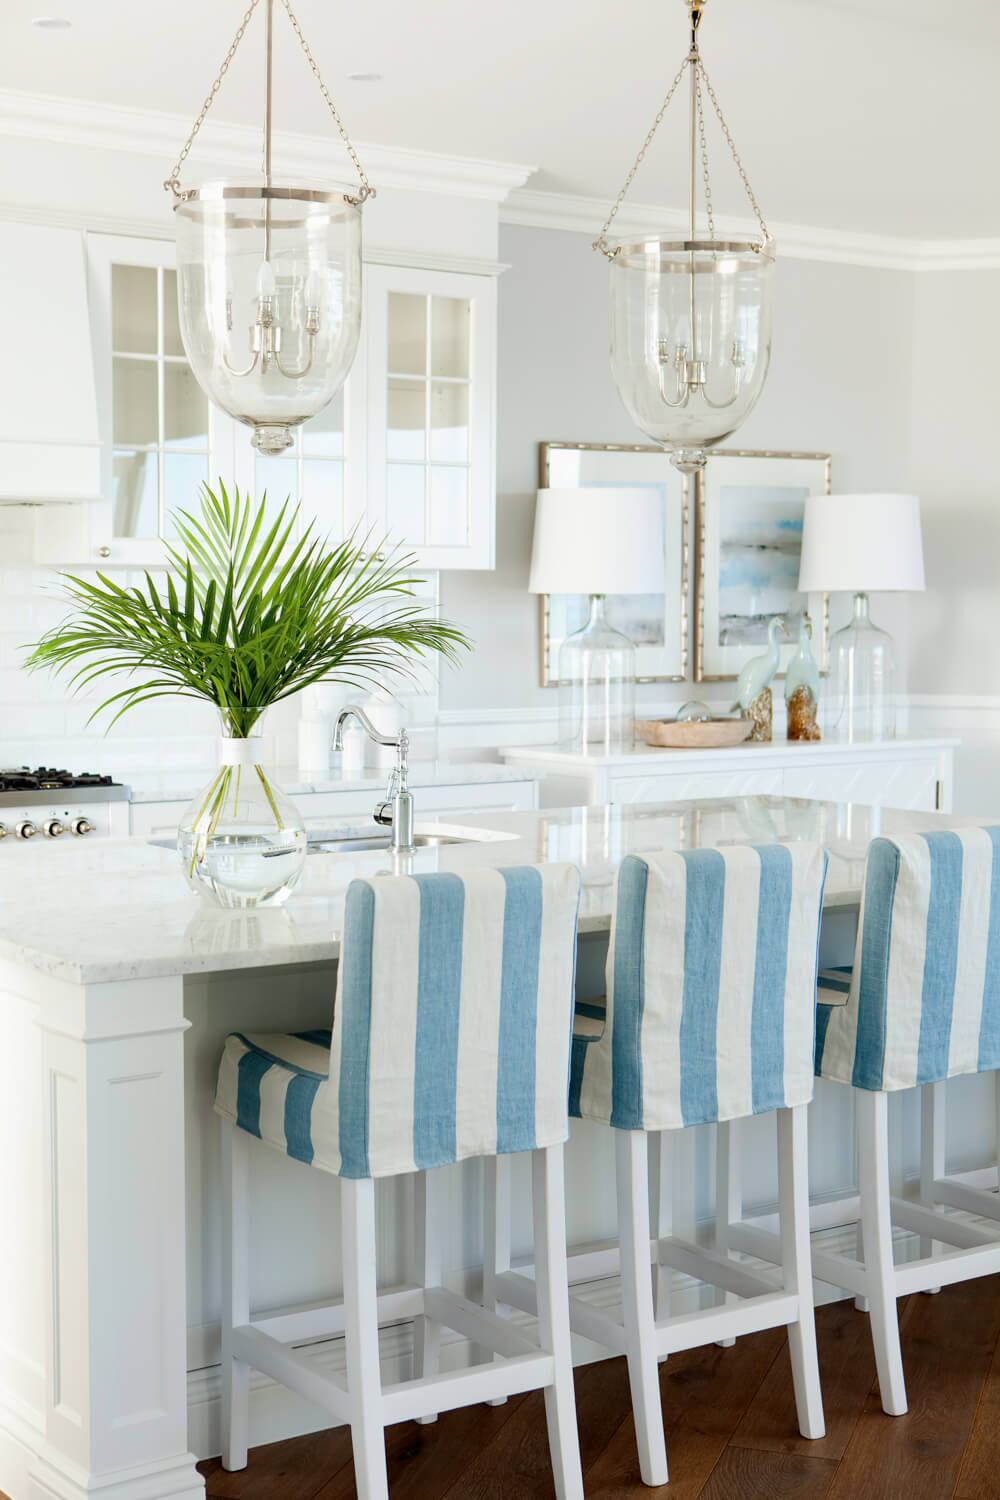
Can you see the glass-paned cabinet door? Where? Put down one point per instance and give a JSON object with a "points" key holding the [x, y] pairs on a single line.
{"points": [[320, 471], [162, 439], [431, 346]]}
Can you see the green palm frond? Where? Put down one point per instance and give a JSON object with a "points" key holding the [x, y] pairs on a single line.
{"points": [[253, 613]]}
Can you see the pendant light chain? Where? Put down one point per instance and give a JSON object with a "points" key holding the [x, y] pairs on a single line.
{"points": [[700, 75], [704, 156], [601, 243], [367, 191], [173, 182], [735, 155]]}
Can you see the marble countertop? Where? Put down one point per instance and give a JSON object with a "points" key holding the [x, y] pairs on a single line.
{"points": [[181, 785], [114, 909]]}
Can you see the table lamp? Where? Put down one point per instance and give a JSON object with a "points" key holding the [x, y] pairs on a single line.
{"points": [[599, 541], [861, 544]]}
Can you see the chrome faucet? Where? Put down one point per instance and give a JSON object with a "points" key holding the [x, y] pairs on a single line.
{"points": [[396, 810]]}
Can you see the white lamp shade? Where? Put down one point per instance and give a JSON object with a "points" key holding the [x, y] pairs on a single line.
{"points": [[598, 541], [861, 544]]}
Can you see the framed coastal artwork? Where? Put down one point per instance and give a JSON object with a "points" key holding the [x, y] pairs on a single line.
{"points": [[656, 623], [748, 540]]}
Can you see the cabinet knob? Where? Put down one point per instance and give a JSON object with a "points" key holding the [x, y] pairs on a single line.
{"points": [[104, 551]]}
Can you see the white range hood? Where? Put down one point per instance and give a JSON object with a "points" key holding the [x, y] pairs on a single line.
{"points": [[49, 442]]}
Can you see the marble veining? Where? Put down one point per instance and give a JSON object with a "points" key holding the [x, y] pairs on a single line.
{"points": [[119, 908]]}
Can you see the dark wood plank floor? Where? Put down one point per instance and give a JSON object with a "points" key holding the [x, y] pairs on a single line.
{"points": [[730, 1426]]}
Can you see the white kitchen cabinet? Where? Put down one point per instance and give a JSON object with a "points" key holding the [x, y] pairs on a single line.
{"points": [[906, 773], [407, 450], [432, 797], [49, 440], [430, 338]]}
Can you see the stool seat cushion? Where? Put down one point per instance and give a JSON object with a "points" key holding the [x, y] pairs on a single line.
{"points": [[268, 1083], [923, 1003]]}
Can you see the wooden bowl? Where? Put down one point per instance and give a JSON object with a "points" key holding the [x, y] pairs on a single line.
{"points": [[710, 734]]}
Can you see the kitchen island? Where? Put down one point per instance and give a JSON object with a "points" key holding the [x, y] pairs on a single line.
{"points": [[117, 989]]}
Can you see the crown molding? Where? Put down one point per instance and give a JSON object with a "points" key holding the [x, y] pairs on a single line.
{"points": [[535, 209], [142, 132]]}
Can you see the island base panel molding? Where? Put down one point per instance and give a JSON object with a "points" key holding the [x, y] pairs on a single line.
{"points": [[93, 1395]]}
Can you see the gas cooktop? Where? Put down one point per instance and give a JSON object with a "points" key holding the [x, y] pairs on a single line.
{"points": [[48, 779]]}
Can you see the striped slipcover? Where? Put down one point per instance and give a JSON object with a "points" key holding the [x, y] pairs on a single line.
{"points": [[451, 1029], [711, 989], [923, 1002]]}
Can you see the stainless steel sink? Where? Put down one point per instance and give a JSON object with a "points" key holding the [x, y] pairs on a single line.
{"points": [[357, 843]]}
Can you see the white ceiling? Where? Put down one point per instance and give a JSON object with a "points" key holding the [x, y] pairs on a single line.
{"points": [[874, 115]]}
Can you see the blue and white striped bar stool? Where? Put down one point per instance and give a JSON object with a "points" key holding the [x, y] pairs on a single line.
{"points": [[711, 985], [451, 1039], [923, 1005]]}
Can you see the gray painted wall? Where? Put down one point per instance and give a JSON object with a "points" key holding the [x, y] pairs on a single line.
{"points": [[840, 382]]}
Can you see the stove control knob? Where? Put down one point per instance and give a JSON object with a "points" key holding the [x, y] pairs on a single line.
{"points": [[26, 830], [81, 826], [54, 828], [4, 830]]}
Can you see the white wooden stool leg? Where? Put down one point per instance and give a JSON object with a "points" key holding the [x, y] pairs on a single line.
{"points": [[427, 1210], [728, 1197], [862, 1304], [552, 1286], [796, 1264], [932, 1128], [637, 1301], [364, 1382], [880, 1275], [496, 1232], [235, 1295], [662, 1142]]}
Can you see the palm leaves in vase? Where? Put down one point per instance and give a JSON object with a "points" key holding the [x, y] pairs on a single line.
{"points": [[250, 614]]}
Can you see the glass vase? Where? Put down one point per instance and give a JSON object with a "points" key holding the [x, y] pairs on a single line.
{"points": [[242, 841], [597, 687]]}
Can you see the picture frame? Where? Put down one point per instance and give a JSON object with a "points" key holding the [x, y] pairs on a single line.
{"points": [[659, 627], [748, 530]]}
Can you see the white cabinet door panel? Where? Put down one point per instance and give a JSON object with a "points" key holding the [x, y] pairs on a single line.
{"points": [[904, 783]]}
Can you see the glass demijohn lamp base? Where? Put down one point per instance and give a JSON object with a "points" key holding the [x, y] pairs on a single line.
{"points": [[597, 687], [860, 701]]}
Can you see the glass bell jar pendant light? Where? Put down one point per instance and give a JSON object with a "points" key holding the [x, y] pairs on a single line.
{"points": [[269, 278], [690, 319]]}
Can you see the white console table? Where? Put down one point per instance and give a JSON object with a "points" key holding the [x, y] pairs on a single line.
{"points": [[908, 773]]}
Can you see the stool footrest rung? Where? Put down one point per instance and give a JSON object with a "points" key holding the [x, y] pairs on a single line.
{"points": [[710, 1324], [945, 1270], [937, 1226], [712, 1267], [435, 1393], [972, 1200], [292, 1368], [326, 1320], [477, 1324]]}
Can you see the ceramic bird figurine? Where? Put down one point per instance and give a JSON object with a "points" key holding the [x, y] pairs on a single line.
{"points": [[758, 671], [753, 690], [802, 688]]}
